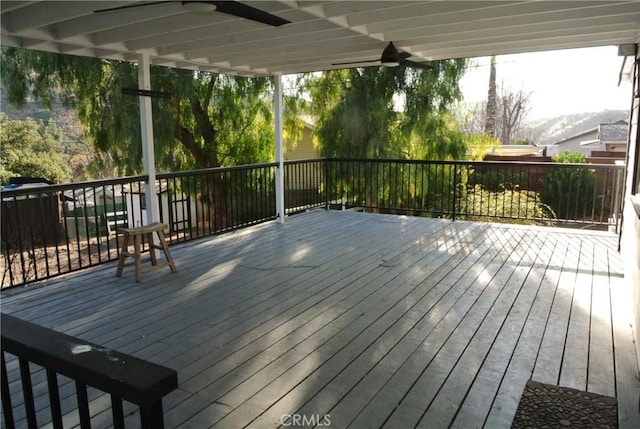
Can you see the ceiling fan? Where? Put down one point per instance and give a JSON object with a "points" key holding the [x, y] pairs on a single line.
{"points": [[229, 7], [391, 57]]}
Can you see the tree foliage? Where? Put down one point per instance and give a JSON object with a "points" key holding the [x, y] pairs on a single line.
{"points": [[211, 120], [31, 149], [570, 192], [388, 112], [392, 113]]}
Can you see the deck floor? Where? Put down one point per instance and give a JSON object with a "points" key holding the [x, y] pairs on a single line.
{"points": [[359, 320]]}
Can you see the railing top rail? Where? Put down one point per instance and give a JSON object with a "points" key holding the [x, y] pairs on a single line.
{"points": [[496, 163], [305, 160], [30, 190], [545, 164], [122, 375], [215, 170]]}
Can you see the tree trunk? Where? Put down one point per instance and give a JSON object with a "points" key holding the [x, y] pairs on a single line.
{"points": [[490, 120], [212, 194]]}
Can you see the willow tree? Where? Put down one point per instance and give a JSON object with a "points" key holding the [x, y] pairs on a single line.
{"points": [[210, 119], [379, 112], [382, 112]]}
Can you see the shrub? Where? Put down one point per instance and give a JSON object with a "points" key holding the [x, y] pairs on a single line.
{"points": [[500, 180], [508, 206], [570, 192]]}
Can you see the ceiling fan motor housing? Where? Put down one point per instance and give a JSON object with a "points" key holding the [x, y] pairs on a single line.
{"points": [[390, 56]]}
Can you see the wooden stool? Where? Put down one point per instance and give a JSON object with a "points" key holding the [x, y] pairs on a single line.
{"points": [[137, 234]]}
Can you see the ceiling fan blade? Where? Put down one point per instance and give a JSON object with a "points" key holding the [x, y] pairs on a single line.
{"points": [[416, 65], [248, 12], [130, 6], [390, 57], [229, 7], [355, 62]]}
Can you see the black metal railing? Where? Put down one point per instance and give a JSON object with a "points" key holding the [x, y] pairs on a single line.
{"points": [[542, 193], [47, 231], [53, 230], [50, 230], [204, 202], [41, 366], [305, 185]]}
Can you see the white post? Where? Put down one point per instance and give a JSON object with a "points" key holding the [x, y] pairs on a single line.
{"points": [[148, 154], [277, 102]]}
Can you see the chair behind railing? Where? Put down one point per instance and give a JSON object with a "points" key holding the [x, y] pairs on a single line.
{"points": [[123, 377]]}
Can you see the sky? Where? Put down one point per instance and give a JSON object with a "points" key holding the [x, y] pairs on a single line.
{"points": [[560, 82]]}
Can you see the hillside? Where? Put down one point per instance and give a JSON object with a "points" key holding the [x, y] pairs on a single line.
{"points": [[550, 130], [31, 109], [63, 117]]}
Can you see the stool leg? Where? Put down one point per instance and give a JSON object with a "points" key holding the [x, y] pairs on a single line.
{"points": [[152, 250], [165, 249], [125, 248], [136, 255]]}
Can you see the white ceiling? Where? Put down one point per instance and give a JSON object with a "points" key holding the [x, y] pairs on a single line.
{"points": [[320, 33]]}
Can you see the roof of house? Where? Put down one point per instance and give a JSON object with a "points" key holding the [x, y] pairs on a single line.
{"points": [[607, 132], [614, 132], [575, 136]]}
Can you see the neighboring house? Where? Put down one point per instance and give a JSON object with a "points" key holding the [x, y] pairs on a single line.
{"points": [[610, 137], [302, 180], [574, 143], [304, 147], [614, 137]]}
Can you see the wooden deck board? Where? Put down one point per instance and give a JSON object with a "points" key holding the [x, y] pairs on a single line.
{"points": [[478, 372], [526, 351], [370, 320], [511, 346], [339, 379], [458, 333]]}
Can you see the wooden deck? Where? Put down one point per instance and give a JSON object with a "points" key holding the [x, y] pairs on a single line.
{"points": [[360, 320]]}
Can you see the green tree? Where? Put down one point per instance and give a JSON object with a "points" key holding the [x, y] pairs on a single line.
{"points": [[388, 112], [31, 149], [382, 112], [211, 120], [355, 112]]}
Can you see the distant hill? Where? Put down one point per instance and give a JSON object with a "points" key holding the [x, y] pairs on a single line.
{"points": [[550, 130], [63, 117], [31, 109]]}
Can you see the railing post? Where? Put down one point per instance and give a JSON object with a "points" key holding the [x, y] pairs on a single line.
{"points": [[277, 105], [617, 198], [27, 393], [54, 399], [455, 191], [7, 407], [327, 171]]}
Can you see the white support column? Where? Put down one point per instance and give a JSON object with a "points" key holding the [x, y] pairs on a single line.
{"points": [[277, 102], [148, 153]]}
